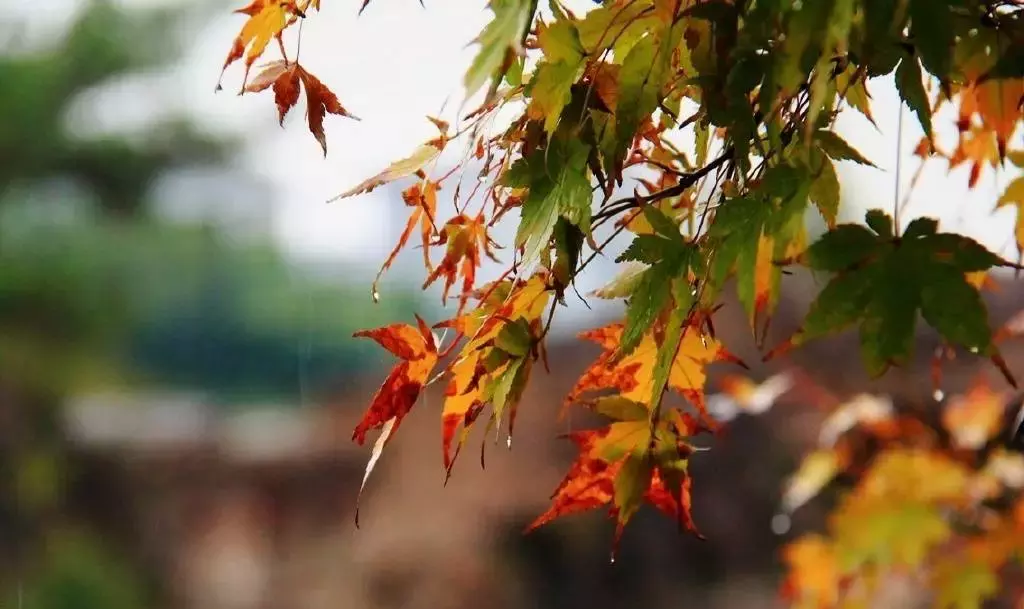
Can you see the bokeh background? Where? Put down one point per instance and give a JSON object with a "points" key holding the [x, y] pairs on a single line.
{"points": [[178, 379]]}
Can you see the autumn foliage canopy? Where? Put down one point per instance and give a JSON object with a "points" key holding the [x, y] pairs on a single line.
{"points": [[702, 134]]}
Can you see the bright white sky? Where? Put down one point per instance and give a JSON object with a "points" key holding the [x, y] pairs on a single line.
{"points": [[398, 63]]}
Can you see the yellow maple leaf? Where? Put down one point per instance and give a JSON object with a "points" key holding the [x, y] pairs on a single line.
{"points": [[814, 578], [1014, 195], [633, 375], [267, 19]]}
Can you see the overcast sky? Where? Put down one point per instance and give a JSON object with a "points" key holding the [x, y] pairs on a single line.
{"points": [[398, 63]]}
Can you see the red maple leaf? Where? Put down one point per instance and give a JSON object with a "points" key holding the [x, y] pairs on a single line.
{"points": [[400, 390]]}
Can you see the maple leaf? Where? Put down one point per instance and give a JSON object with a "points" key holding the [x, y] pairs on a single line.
{"points": [[285, 78], [963, 582], [617, 467], [465, 238], [419, 159], [978, 146], [267, 19], [996, 102], [418, 350], [500, 42], [494, 364], [422, 198], [882, 281], [750, 233], [1014, 195], [814, 578], [633, 375], [895, 515], [976, 417]]}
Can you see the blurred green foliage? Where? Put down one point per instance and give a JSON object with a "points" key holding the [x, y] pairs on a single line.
{"points": [[177, 306], [37, 142], [79, 574], [98, 291]]}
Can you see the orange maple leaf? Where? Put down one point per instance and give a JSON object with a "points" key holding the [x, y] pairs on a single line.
{"points": [[814, 579], [980, 147], [267, 19], [285, 78], [997, 103], [400, 390], [465, 238], [633, 375], [616, 467], [472, 385], [422, 198], [974, 418]]}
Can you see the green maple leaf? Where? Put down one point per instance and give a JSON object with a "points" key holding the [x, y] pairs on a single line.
{"points": [[910, 85], [502, 36], [671, 258], [882, 282], [559, 187]]}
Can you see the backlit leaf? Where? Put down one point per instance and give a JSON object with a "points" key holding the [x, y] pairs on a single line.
{"points": [[500, 41], [1014, 195]]}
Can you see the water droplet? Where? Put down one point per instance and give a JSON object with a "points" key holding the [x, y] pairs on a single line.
{"points": [[508, 442], [972, 32], [974, 350], [938, 395], [376, 296], [612, 560], [781, 524]]}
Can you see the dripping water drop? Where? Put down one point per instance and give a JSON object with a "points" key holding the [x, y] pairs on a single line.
{"points": [[938, 395], [508, 442], [781, 523], [611, 560], [376, 296]]}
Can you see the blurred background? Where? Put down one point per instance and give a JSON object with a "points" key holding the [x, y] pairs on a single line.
{"points": [[178, 380]]}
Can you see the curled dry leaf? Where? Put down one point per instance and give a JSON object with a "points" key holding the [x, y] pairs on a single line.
{"points": [[465, 239], [286, 78], [419, 159], [422, 198]]}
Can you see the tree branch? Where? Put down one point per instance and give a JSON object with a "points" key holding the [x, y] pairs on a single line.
{"points": [[686, 181]]}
